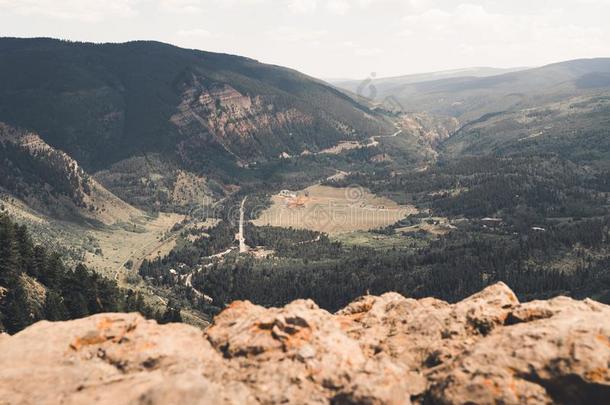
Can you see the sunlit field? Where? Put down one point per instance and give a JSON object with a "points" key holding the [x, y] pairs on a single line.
{"points": [[332, 210]]}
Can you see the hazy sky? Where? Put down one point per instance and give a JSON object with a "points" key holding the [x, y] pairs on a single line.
{"points": [[336, 38]]}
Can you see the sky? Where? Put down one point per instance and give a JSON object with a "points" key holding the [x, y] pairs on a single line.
{"points": [[336, 38]]}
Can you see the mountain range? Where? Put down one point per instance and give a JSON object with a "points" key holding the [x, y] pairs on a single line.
{"points": [[388, 84], [154, 126], [147, 110], [139, 159], [561, 108], [472, 95]]}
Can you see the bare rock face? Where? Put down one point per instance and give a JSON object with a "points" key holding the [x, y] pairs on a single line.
{"points": [[110, 359], [554, 351], [301, 354], [487, 349], [232, 119], [67, 190]]}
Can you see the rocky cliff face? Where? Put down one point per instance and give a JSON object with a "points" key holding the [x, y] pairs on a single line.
{"points": [[432, 130], [51, 182], [244, 126], [486, 349], [106, 103]]}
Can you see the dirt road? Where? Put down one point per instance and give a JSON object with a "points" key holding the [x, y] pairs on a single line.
{"points": [[243, 248]]}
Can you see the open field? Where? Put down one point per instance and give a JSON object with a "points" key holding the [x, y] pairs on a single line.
{"points": [[332, 210], [437, 226], [341, 147], [121, 244], [382, 242]]}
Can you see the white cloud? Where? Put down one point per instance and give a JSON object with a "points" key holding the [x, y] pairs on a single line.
{"points": [[368, 51], [194, 33], [360, 50], [211, 6], [596, 2], [302, 6], [84, 10], [469, 30], [291, 34], [340, 7], [181, 6]]}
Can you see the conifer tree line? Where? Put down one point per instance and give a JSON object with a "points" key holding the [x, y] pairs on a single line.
{"points": [[35, 285]]}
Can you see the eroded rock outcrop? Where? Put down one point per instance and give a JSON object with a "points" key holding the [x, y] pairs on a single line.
{"points": [[50, 181], [486, 349], [253, 126]]}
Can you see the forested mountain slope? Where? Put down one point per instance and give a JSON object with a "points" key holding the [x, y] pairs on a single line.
{"points": [[387, 84], [575, 128], [35, 284], [468, 98], [103, 103], [560, 109], [52, 183]]}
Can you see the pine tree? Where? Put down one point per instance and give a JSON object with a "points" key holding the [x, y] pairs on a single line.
{"points": [[69, 294], [54, 308], [9, 254], [16, 314], [25, 248], [172, 313]]}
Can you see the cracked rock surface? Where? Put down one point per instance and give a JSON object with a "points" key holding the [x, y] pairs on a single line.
{"points": [[486, 349]]}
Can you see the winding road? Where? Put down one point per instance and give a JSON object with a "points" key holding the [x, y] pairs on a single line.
{"points": [[375, 139]]}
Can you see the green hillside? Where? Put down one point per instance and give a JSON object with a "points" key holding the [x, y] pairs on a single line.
{"points": [[576, 128], [386, 85], [468, 97], [102, 103], [36, 285]]}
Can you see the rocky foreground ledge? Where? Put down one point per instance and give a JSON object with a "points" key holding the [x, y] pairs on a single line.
{"points": [[486, 349]]}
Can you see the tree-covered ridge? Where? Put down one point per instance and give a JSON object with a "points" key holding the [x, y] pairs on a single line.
{"points": [[449, 268], [36, 285], [469, 98], [102, 103], [528, 188], [46, 178], [574, 128]]}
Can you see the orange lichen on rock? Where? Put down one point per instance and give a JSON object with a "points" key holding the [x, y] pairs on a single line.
{"points": [[486, 349]]}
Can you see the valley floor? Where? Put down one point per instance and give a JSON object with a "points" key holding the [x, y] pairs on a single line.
{"points": [[332, 210], [126, 246]]}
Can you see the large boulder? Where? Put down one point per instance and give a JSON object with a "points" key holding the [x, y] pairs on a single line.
{"points": [[300, 354], [110, 359], [486, 349], [555, 351]]}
